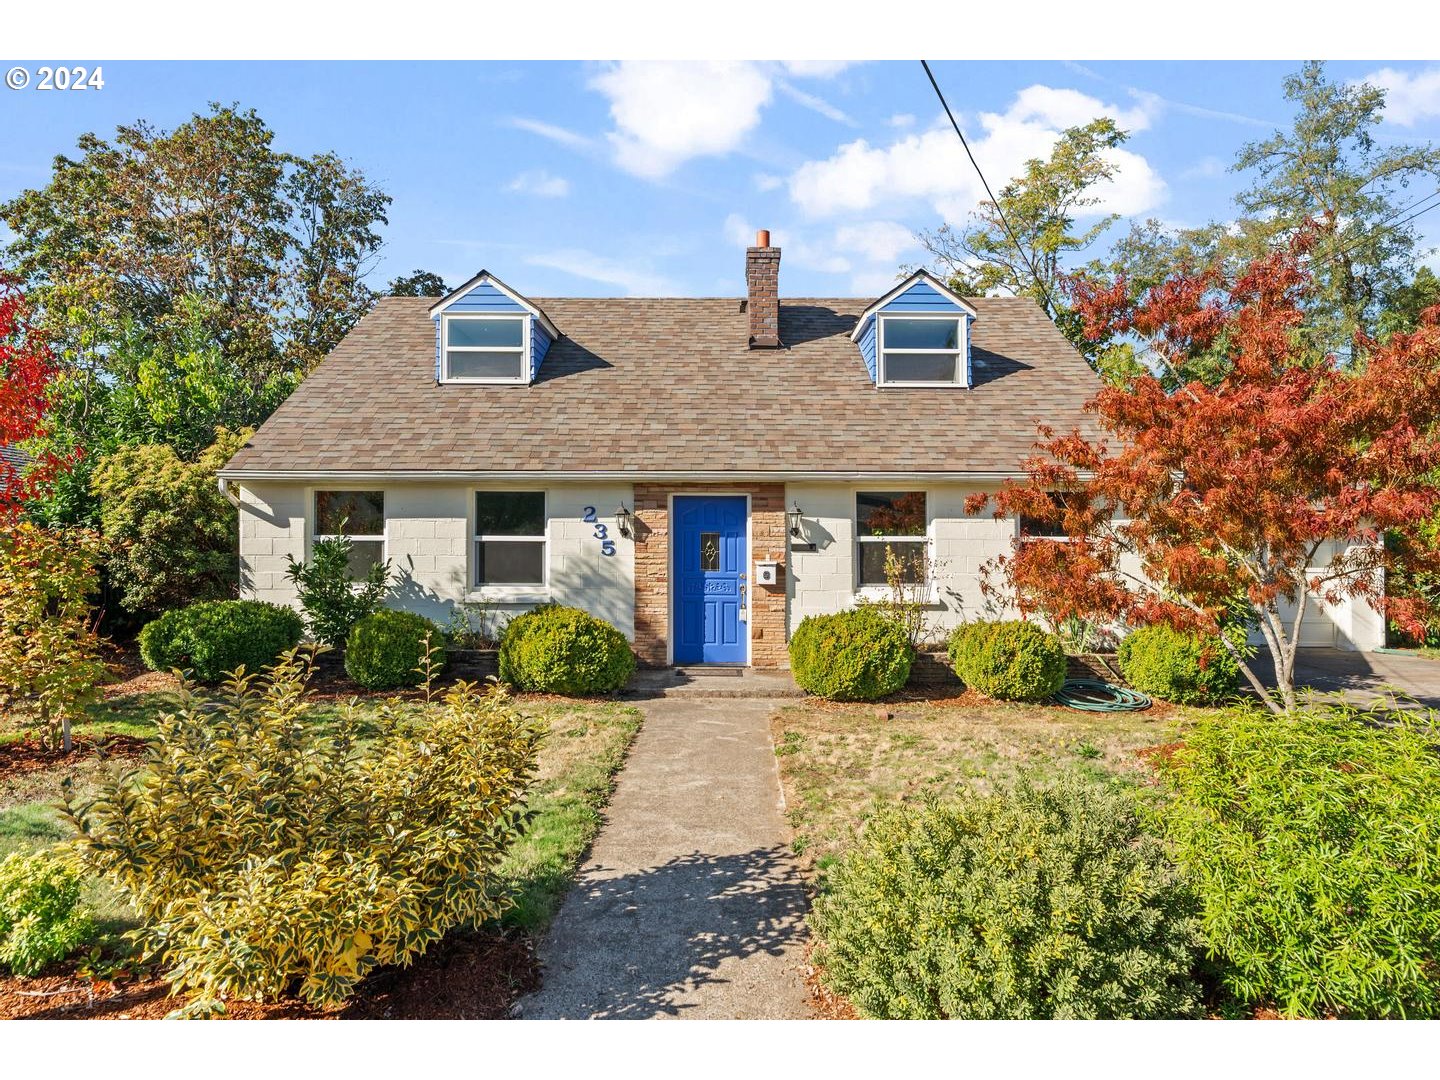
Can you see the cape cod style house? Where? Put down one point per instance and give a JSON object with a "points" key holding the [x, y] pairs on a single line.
{"points": [[703, 473]]}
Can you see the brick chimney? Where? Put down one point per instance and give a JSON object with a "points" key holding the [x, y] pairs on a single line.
{"points": [[762, 284]]}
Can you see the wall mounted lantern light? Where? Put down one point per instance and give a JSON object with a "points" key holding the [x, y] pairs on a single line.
{"points": [[794, 516], [623, 520]]}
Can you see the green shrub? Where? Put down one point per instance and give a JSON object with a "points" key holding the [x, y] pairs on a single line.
{"points": [[42, 919], [326, 589], [1188, 669], [169, 529], [563, 650], [1312, 838], [1011, 661], [1030, 903], [213, 638], [386, 649], [850, 656], [265, 850]]}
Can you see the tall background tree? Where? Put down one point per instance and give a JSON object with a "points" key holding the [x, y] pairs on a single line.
{"points": [[1040, 207], [186, 281], [125, 232], [418, 283]]}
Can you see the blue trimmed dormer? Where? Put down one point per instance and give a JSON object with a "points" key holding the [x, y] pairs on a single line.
{"points": [[486, 333], [918, 334]]}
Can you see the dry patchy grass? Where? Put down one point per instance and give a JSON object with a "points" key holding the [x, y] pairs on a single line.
{"points": [[838, 761]]}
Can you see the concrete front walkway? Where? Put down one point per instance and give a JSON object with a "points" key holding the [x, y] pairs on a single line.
{"points": [[690, 904]]}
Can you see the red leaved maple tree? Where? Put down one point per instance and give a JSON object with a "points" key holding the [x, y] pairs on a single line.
{"points": [[27, 368], [1271, 488]]}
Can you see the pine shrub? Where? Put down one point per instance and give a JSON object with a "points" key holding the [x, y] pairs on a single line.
{"points": [[388, 648], [268, 853], [332, 600], [1184, 668], [850, 656], [1029, 903], [1011, 661], [563, 650], [214, 638], [1313, 840], [42, 918]]}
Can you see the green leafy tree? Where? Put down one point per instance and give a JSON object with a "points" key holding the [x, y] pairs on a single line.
{"points": [[1041, 207], [1330, 177], [330, 594], [418, 283], [170, 533], [1407, 303], [131, 226]]}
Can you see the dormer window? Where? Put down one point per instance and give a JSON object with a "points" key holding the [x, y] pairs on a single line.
{"points": [[917, 334], [921, 350], [486, 348], [486, 332]]}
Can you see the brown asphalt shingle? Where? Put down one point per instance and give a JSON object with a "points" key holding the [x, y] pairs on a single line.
{"points": [[667, 385]]}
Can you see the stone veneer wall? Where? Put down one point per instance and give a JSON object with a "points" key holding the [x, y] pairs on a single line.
{"points": [[768, 645]]}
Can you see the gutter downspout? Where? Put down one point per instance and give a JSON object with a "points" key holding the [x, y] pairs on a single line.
{"points": [[226, 490]]}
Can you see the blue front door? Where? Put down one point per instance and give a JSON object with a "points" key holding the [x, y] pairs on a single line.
{"points": [[708, 574]]}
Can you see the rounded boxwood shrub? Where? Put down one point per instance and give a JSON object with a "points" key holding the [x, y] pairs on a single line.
{"points": [[1312, 840], [1012, 661], [563, 650], [213, 638], [1188, 669], [1029, 903], [850, 656], [386, 649]]}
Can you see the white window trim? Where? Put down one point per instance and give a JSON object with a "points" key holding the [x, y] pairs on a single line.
{"points": [[514, 592], [313, 519], [523, 377], [881, 591], [960, 353]]}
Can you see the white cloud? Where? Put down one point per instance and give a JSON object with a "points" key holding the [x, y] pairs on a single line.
{"points": [[870, 252], [902, 120], [540, 182], [768, 181], [613, 272], [815, 104], [1409, 97], [667, 112], [932, 165], [553, 132]]}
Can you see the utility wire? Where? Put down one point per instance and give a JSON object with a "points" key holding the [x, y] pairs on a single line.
{"points": [[1035, 274]]}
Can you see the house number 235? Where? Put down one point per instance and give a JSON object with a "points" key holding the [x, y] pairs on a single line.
{"points": [[601, 533]]}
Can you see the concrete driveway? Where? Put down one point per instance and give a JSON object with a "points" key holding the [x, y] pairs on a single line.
{"points": [[1361, 677]]}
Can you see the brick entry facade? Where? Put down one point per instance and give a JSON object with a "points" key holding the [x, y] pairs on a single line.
{"points": [[768, 647]]}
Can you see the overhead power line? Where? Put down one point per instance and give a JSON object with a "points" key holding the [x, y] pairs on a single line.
{"points": [[1000, 212]]}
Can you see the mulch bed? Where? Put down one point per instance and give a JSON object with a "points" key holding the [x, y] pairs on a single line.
{"points": [[473, 975], [29, 755], [1156, 756], [827, 1004]]}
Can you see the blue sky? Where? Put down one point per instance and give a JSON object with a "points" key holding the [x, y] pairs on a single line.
{"points": [[648, 179]]}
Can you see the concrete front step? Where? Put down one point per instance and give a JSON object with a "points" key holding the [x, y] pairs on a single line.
{"points": [[698, 683]]}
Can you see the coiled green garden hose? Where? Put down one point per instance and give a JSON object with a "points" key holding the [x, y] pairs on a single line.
{"points": [[1091, 695]]}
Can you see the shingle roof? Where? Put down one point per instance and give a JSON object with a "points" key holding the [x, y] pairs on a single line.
{"points": [[669, 385], [14, 456]]}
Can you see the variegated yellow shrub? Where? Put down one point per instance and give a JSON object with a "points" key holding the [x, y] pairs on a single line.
{"points": [[271, 856]]}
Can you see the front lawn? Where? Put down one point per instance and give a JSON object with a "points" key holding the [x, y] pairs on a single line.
{"points": [[839, 762]]}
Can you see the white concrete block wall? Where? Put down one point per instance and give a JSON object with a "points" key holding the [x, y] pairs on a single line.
{"points": [[825, 580], [272, 529], [428, 540]]}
